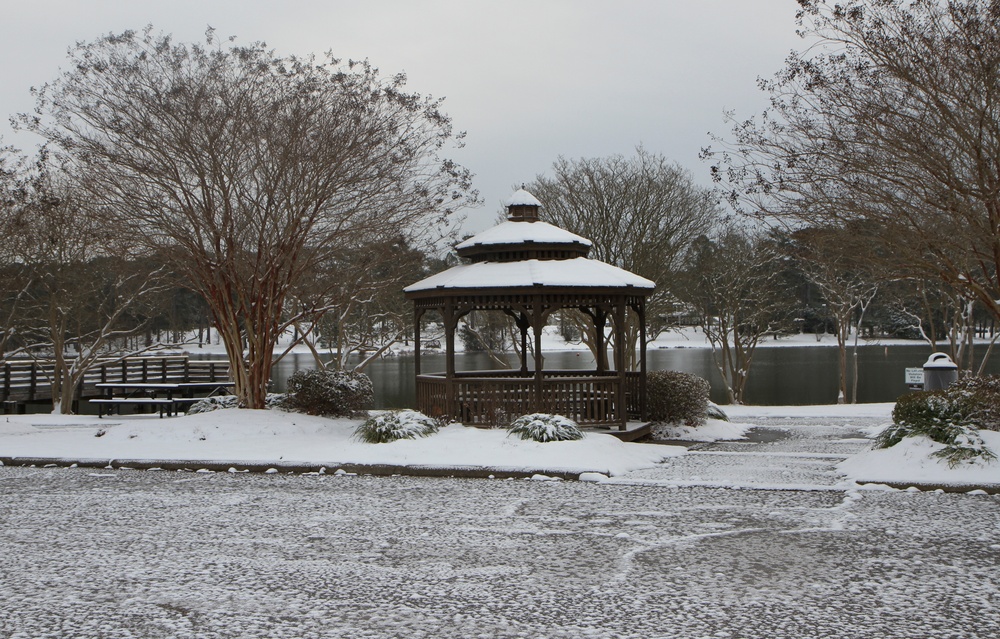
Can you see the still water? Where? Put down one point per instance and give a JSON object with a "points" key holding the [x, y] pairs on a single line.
{"points": [[780, 375]]}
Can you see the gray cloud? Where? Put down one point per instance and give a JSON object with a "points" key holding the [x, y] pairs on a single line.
{"points": [[528, 80]]}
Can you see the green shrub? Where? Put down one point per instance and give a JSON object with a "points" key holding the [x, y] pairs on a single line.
{"points": [[982, 395], [948, 417], [390, 425], [673, 397], [541, 427], [329, 393], [931, 410]]}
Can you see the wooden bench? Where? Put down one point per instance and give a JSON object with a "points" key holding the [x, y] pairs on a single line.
{"points": [[116, 403]]}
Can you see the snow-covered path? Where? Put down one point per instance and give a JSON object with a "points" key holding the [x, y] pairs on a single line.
{"points": [[182, 555], [781, 453]]}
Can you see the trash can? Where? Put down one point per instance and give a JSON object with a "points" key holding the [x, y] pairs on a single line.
{"points": [[939, 372]]}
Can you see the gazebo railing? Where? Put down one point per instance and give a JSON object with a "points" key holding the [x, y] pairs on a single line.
{"points": [[633, 394], [432, 395], [513, 372], [490, 398]]}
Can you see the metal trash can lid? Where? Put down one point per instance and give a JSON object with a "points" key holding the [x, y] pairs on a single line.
{"points": [[940, 361]]}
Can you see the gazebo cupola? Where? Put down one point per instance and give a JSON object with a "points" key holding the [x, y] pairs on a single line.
{"points": [[529, 269], [523, 237], [523, 207]]}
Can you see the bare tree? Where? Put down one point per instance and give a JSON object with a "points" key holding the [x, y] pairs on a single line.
{"points": [[935, 313], [14, 278], [838, 261], [367, 312], [642, 213], [248, 170], [734, 282], [889, 117], [84, 293]]}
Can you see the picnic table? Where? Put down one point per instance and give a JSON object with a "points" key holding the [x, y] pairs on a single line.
{"points": [[169, 397]]}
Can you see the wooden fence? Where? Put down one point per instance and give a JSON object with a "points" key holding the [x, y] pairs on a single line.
{"points": [[28, 381]]}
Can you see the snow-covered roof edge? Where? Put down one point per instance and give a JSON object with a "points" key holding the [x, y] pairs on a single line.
{"points": [[579, 272], [522, 198], [515, 232]]}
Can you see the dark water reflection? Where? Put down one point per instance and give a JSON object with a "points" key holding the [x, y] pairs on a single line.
{"points": [[786, 375]]}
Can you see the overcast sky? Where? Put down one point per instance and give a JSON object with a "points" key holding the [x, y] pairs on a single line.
{"points": [[527, 80]]}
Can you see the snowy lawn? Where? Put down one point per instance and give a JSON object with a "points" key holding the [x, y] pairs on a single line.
{"points": [[288, 438], [911, 461], [712, 430], [285, 438]]}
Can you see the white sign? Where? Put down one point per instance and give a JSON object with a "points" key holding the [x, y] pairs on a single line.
{"points": [[914, 376]]}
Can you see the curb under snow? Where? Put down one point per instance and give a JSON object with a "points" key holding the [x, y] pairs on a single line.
{"points": [[388, 470], [382, 470]]}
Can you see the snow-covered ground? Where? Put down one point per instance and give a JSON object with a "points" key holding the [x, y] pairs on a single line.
{"points": [[285, 438], [291, 439], [158, 555], [764, 536], [909, 462]]}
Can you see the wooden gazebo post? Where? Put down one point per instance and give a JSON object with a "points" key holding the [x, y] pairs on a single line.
{"points": [[450, 324], [417, 314], [537, 325], [641, 312]]}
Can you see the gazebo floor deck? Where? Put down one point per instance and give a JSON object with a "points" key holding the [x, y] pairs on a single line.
{"points": [[634, 430]]}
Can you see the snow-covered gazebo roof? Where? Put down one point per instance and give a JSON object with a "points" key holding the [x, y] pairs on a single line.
{"points": [[522, 198], [511, 232], [578, 272], [525, 253]]}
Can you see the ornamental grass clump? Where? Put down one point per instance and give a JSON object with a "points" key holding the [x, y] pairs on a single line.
{"points": [[329, 393], [542, 427], [391, 425], [950, 417], [673, 397]]}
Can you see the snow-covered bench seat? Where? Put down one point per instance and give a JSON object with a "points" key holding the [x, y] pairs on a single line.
{"points": [[110, 404]]}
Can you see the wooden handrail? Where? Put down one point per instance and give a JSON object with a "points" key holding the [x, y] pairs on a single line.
{"points": [[26, 379]]}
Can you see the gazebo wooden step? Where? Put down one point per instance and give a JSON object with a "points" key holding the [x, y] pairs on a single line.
{"points": [[633, 431]]}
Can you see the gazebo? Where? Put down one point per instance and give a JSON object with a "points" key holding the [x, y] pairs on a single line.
{"points": [[529, 269]]}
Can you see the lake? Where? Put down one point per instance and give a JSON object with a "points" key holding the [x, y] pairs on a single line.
{"points": [[786, 375]]}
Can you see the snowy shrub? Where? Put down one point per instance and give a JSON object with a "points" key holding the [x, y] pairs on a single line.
{"points": [[982, 396], [216, 402], [673, 397], [390, 425], [947, 417], [541, 427], [714, 411], [329, 393]]}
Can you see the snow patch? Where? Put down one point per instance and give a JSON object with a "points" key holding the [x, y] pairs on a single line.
{"points": [[242, 435], [712, 430], [910, 461]]}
